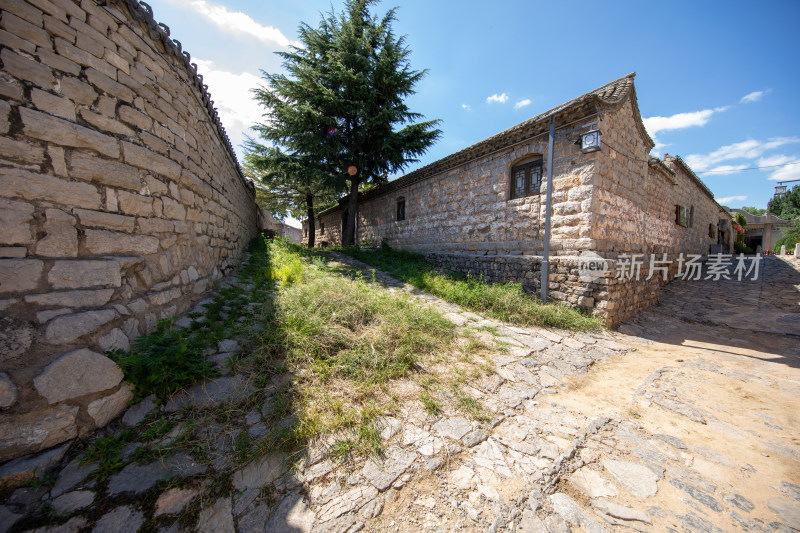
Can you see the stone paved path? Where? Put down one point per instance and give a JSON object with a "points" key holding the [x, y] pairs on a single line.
{"points": [[685, 420]]}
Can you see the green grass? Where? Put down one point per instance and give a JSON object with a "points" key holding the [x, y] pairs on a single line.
{"points": [[107, 452], [506, 301], [345, 341]]}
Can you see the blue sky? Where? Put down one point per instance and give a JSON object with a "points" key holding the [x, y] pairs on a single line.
{"points": [[717, 82]]}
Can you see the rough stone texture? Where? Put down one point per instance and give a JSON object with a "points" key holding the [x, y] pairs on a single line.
{"points": [[383, 474], [117, 177], [210, 394], [260, 473], [640, 480], [72, 501], [104, 410], [593, 484], [66, 329], [8, 391], [787, 510], [137, 479], [139, 412], [15, 338], [121, 520], [115, 340], [76, 374], [38, 430], [19, 471], [71, 476], [217, 518], [293, 515], [173, 501]]}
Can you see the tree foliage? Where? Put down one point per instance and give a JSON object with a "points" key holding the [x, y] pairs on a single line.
{"points": [[757, 211], [337, 120], [787, 206]]}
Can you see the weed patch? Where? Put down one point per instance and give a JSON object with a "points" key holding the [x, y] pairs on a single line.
{"points": [[506, 301]]}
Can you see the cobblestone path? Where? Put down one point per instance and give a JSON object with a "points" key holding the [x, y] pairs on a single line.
{"points": [[684, 420]]}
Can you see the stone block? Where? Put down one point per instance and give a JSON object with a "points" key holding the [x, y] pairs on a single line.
{"points": [[109, 86], [135, 118], [173, 209], [27, 69], [90, 168], [135, 204], [13, 252], [115, 340], [19, 275], [15, 219], [101, 219], [77, 374], [66, 329], [33, 33], [85, 298], [48, 128], [78, 91], [84, 273], [8, 391], [34, 431], [151, 161], [105, 123], [57, 159], [106, 409], [5, 110], [21, 151], [101, 242], [62, 237], [55, 105]]}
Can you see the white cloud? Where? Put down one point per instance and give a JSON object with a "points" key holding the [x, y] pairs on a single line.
{"points": [[238, 111], [725, 169], [730, 199], [498, 98], [785, 172], [522, 103], [241, 23], [749, 149], [467, 107], [754, 96], [677, 121]]}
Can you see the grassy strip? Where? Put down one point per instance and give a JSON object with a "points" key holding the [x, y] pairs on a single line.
{"points": [[506, 301], [345, 341]]}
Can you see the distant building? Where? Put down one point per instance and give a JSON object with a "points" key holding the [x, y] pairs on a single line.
{"points": [[763, 232], [482, 210]]}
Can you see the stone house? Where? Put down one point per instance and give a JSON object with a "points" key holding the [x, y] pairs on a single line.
{"points": [[763, 232], [481, 210]]}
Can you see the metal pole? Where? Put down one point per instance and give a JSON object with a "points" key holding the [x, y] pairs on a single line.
{"points": [[546, 257]]}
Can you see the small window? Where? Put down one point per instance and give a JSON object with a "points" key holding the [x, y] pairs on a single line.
{"points": [[401, 209], [526, 179], [322, 227], [712, 231], [681, 216]]}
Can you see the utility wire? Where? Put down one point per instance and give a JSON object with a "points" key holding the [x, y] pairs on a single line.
{"points": [[730, 171]]}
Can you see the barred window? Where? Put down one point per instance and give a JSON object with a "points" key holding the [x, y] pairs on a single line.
{"points": [[526, 179]]}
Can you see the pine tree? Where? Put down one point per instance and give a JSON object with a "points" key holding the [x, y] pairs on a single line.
{"points": [[341, 106]]}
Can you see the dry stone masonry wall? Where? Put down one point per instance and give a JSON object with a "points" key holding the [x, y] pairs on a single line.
{"points": [[120, 201]]}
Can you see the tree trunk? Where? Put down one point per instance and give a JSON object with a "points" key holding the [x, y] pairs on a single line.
{"points": [[349, 229], [312, 228]]}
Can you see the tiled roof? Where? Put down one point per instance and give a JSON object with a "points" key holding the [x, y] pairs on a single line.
{"points": [[610, 94]]}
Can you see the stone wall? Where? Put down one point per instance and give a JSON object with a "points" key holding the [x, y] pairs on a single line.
{"points": [[468, 208], [120, 201]]}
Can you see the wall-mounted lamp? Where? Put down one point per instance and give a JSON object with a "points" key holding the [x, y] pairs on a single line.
{"points": [[590, 141]]}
